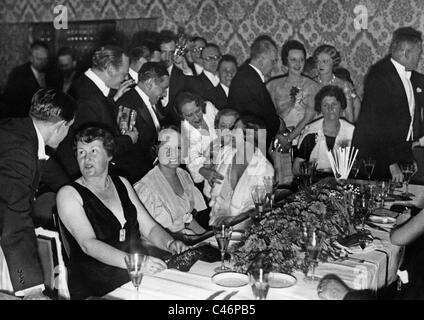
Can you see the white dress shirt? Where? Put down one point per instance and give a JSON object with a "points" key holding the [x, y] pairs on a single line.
{"points": [[133, 74], [225, 88], [198, 68], [98, 82], [259, 72], [214, 79], [165, 100], [152, 112], [405, 76]]}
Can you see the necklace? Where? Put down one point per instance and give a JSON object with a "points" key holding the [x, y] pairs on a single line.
{"points": [[328, 83], [107, 184]]}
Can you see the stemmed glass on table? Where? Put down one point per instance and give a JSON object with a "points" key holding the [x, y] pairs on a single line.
{"points": [[312, 247], [355, 168], [223, 236], [259, 196], [271, 184], [135, 263], [369, 165], [365, 206], [408, 170], [260, 284], [383, 188]]}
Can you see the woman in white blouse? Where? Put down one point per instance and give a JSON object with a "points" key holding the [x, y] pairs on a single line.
{"points": [[198, 131], [168, 192]]}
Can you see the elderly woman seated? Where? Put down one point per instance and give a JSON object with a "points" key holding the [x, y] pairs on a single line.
{"points": [[168, 192], [104, 220], [326, 133], [242, 164], [197, 129]]}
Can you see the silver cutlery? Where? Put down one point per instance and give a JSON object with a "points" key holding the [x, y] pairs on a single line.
{"points": [[228, 296], [215, 294]]}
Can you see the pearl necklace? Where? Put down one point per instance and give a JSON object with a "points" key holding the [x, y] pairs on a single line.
{"points": [[330, 82]]}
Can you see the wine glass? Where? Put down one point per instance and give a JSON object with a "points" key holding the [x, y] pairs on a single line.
{"points": [[271, 184], [312, 249], [259, 282], [365, 206], [408, 170], [383, 188], [223, 236], [259, 196], [369, 165], [355, 168], [135, 262]]}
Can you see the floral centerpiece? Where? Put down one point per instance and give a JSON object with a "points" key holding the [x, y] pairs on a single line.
{"points": [[274, 244]]}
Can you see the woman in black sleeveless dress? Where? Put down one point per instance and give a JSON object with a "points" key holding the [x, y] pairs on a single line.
{"points": [[104, 220]]}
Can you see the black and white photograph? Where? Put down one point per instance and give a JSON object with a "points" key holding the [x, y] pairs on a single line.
{"points": [[207, 154]]}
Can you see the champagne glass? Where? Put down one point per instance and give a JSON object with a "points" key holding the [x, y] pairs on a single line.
{"points": [[259, 282], [135, 262], [408, 170], [355, 168], [312, 249], [223, 237], [271, 184], [258, 195], [369, 165], [383, 188]]}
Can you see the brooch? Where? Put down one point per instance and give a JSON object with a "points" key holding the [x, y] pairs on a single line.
{"points": [[419, 90]]}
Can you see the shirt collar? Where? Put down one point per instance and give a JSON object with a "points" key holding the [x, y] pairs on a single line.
{"points": [[259, 72], [212, 78], [133, 74], [225, 88], [143, 96], [41, 144], [199, 69], [170, 69], [401, 69], [98, 82]]}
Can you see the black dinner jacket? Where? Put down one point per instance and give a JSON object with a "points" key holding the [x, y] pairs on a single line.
{"points": [[177, 83], [19, 178], [384, 119], [21, 86], [92, 106], [249, 95], [138, 160], [203, 86]]}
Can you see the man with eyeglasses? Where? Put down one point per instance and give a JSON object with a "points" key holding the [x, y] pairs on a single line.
{"points": [[194, 55], [208, 81]]}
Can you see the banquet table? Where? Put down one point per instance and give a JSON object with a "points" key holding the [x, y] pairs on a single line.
{"points": [[372, 270]]}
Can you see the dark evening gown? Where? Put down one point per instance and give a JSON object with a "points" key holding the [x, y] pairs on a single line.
{"points": [[89, 277]]}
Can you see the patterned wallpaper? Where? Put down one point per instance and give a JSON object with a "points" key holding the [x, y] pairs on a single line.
{"points": [[234, 24]]}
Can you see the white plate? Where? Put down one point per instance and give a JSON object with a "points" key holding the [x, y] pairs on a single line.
{"points": [[382, 220], [281, 280], [231, 279]]}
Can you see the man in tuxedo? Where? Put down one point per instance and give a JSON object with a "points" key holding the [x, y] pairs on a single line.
{"points": [[248, 93], [227, 69], [392, 102], [25, 80], [138, 56], [22, 154], [178, 71], [109, 70], [66, 71], [207, 84], [194, 55], [152, 86]]}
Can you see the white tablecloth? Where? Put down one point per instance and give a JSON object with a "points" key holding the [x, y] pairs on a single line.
{"points": [[369, 270]]}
